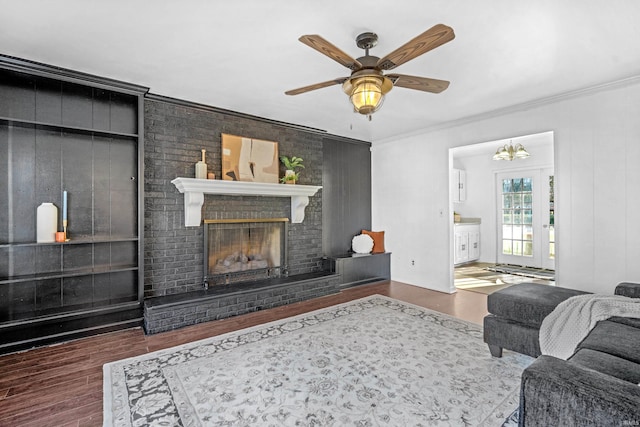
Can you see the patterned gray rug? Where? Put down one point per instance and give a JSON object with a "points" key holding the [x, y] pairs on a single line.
{"points": [[373, 361]]}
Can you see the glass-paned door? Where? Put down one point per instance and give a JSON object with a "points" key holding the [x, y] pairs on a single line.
{"points": [[519, 239], [526, 222]]}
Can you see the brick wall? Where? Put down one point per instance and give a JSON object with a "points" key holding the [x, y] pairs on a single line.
{"points": [[174, 135]]}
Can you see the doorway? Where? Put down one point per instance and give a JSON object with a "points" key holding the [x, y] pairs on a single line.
{"points": [[532, 233]]}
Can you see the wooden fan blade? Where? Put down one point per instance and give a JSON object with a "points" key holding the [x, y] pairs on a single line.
{"points": [[309, 88], [430, 39], [321, 45], [418, 83]]}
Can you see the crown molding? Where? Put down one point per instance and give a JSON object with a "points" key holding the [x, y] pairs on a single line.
{"points": [[578, 93], [67, 75], [209, 108]]}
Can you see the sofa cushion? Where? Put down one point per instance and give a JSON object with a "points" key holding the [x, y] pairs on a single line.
{"points": [[614, 338], [607, 364], [631, 321], [528, 303], [628, 289]]}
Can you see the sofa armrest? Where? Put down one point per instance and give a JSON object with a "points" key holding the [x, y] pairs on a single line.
{"points": [[555, 392], [628, 289]]}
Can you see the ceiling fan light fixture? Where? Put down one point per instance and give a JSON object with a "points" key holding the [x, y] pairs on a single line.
{"points": [[367, 85], [367, 92]]}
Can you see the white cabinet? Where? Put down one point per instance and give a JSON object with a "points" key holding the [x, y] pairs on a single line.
{"points": [[458, 185], [466, 242]]}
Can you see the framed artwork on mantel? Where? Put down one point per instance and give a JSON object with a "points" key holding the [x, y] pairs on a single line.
{"points": [[249, 160]]}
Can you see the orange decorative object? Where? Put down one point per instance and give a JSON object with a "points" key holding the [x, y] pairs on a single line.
{"points": [[378, 240]]}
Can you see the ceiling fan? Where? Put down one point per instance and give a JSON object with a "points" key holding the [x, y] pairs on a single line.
{"points": [[367, 85]]}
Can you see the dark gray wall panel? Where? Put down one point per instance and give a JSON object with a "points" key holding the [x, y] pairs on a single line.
{"points": [[123, 118], [48, 166], [77, 180], [49, 101], [102, 109], [22, 188], [346, 195], [77, 105], [4, 184], [18, 95]]}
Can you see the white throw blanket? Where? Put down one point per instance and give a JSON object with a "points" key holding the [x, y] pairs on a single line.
{"points": [[572, 320]]}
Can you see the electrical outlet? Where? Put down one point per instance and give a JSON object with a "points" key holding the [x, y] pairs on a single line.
{"points": [[413, 262]]}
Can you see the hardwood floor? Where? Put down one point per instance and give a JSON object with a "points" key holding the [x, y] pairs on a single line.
{"points": [[61, 385]]}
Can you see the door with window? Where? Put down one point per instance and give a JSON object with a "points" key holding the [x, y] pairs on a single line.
{"points": [[525, 218]]}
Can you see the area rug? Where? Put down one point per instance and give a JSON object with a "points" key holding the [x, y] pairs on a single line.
{"points": [[373, 361]]}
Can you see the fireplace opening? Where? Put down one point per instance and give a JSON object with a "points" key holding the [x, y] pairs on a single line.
{"points": [[241, 250]]}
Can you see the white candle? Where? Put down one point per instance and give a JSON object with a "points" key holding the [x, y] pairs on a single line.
{"points": [[64, 205]]}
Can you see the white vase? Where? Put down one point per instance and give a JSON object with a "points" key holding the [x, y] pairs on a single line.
{"points": [[47, 223], [201, 167], [201, 170]]}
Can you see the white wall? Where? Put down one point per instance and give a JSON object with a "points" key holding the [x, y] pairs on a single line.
{"points": [[481, 173], [597, 162]]}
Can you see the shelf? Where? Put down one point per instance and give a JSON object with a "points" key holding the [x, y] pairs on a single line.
{"points": [[62, 312], [70, 131], [63, 128], [68, 273], [195, 189], [78, 241]]}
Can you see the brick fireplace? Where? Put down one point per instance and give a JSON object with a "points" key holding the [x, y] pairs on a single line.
{"points": [[245, 269], [175, 294]]}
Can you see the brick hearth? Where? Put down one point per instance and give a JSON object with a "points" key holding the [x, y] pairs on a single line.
{"points": [[176, 311]]}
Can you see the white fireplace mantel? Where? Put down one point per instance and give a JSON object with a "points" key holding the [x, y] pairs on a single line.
{"points": [[195, 189]]}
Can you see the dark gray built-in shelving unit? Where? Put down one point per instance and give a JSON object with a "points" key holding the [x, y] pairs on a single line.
{"points": [[63, 130]]}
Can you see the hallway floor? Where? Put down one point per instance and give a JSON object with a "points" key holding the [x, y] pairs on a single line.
{"points": [[475, 278]]}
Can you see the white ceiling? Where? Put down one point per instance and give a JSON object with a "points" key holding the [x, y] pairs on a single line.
{"points": [[243, 55]]}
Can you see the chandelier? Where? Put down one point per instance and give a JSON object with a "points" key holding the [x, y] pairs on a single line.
{"points": [[508, 152]]}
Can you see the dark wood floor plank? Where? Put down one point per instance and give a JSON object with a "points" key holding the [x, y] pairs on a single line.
{"points": [[38, 373], [26, 402], [59, 412], [86, 411], [47, 385], [61, 385], [94, 419], [30, 366]]}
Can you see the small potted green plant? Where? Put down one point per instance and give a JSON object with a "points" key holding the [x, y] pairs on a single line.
{"points": [[291, 164]]}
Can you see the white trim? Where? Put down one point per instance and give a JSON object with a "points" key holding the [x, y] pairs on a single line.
{"points": [[195, 189]]}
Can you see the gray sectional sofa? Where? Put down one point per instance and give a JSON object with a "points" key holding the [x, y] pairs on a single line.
{"points": [[599, 385]]}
